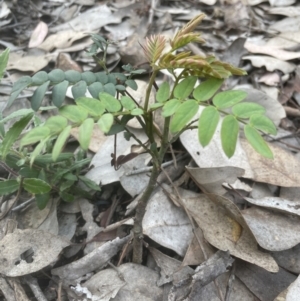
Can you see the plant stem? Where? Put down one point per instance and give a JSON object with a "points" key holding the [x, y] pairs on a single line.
{"points": [[139, 215]]}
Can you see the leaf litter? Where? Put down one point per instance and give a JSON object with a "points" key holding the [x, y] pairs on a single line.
{"points": [[223, 204]]}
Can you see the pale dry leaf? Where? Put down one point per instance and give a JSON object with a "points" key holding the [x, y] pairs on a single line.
{"points": [[170, 268], [278, 204], [281, 2], [167, 224], [293, 291], [270, 63], [270, 79], [208, 2], [4, 10], [25, 62], [289, 11], [287, 24], [277, 171], [274, 52], [211, 179], [42, 246], [274, 231], [285, 40], [38, 35], [102, 171], [95, 260], [138, 283], [223, 227], [61, 40], [90, 20]]}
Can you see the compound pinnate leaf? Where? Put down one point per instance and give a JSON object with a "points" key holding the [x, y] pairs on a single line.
{"points": [[35, 135], [36, 186], [88, 77], [60, 142], [207, 89], [105, 122], [72, 76], [38, 95], [163, 92], [156, 105], [257, 142], [207, 124], [93, 106], [56, 76], [85, 133], [79, 89], [13, 134], [3, 61], [263, 123], [170, 107], [183, 114], [127, 103], [227, 99], [110, 102], [95, 89], [59, 93], [185, 87], [229, 135], [39, 78], [56, 124], [74, 113], [8, 186], [246, 109]]}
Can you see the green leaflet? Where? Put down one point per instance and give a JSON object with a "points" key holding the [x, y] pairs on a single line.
{"points": [[56, 76], [85, 133], [257, 142], [263, 123], [229, 98], [137, 112], [38, 95], [35, 135], [110, 102], [246, 109], [36, 186], [95, 89], [183, 114], [79, 89], [88, 77], [3, 61], [170, 107], [93, 106], [207, 124], [56, 124], [13, 134], [39, 78], [74, 113], [59, 93], [229, 135], [185, 87], [60, 142], [163, 92], [207, 89], [8, 186], [105, 122], [72, 76], [127, 103], [132, 84]]}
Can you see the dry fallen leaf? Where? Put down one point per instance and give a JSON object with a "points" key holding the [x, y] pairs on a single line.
{"points": [[38, 35], [42, 249], [270, 63]]}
